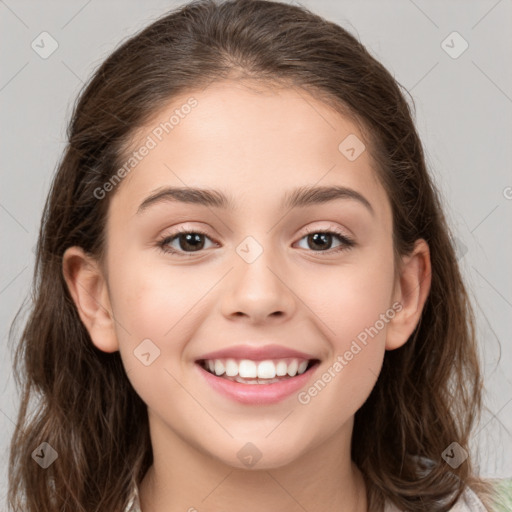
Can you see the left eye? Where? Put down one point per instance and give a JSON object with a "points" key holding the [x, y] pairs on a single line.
{"points": [[325, 238]]}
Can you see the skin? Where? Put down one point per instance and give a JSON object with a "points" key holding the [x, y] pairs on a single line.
{"points": [[254, 144]]}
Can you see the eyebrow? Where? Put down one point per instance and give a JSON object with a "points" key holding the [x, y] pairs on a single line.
{"points": [[297, 198]]}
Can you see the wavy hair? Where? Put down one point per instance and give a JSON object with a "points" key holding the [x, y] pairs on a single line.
{"points": [[429, 392]]}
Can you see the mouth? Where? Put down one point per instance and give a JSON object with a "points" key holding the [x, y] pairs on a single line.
{"points": [[256, 374], [263, 372], [244, 379]]}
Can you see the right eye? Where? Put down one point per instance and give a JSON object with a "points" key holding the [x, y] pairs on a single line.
{"points": [[186, 239]]}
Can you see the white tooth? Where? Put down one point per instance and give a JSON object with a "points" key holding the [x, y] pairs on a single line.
{"points": [[281, 369], [231, 368], [211, 365], [219, 367], [247, 369], [302, 367], [266, 370], [293, 367]]}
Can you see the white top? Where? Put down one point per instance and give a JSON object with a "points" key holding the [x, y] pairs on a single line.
{"points": [[468, 502]]}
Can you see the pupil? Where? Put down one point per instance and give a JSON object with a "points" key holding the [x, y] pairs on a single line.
{"points": [[192, 238], [316, 236]]}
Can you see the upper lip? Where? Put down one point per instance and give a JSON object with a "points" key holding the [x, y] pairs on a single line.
{"points": [[256, 353]]}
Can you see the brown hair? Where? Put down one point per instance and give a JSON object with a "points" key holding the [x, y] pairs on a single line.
{"points": [[428, 394]]}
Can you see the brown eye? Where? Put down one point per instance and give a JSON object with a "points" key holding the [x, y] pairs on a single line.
{"points": [[190, 241], [322, 241], [186, 242]]}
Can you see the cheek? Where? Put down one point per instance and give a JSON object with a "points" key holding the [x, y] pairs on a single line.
{"points": [[152, 300], [163, 304], [353, 309], [351, 298], [155, 307]]}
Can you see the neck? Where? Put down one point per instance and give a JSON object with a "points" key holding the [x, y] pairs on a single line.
{"points": [[183, 478]]}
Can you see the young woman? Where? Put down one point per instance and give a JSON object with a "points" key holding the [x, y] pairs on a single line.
{"points": [[246, 295]]}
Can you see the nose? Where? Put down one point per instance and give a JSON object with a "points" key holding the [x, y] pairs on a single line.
{"points": [[258, 291]]}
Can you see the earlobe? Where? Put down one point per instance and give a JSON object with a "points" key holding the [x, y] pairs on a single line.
{"points": [[89, 291], [411, 291]]}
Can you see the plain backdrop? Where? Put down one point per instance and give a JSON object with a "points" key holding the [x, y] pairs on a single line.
{"points": [[463, 113]]}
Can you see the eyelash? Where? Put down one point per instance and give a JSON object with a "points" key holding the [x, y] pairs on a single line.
{"points": [[346, 242]]}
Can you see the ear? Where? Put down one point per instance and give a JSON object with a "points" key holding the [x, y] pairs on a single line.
{"points": [[411, 290], [89, 291]]}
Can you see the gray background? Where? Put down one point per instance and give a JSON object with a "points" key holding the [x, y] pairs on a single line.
{"points": [[463, 107]]}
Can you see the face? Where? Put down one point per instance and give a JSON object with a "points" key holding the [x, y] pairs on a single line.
{"points": [[259, 277]]}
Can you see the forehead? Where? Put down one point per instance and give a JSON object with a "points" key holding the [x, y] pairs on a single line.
{"points": [[254, 141]]}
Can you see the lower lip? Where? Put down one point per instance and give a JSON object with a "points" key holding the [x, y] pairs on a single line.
{"points": [[257, 394]]}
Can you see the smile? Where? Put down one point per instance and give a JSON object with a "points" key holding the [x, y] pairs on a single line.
{"points": [[256, 372], [257, 382]]}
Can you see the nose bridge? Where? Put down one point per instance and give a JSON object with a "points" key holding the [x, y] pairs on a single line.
{"points": [[256, 287]]}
